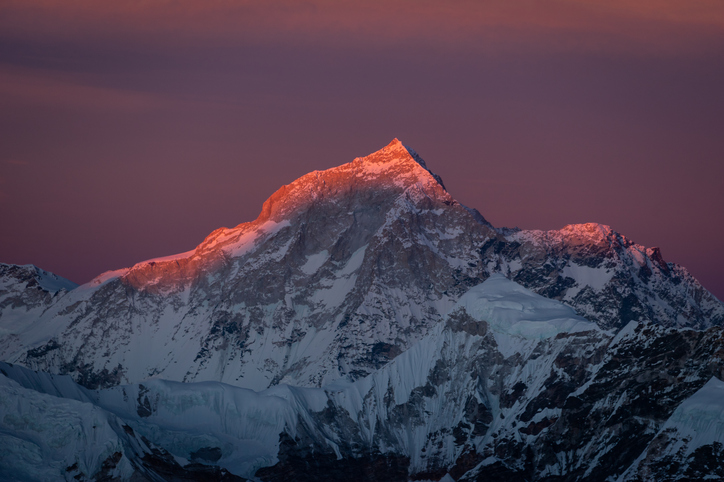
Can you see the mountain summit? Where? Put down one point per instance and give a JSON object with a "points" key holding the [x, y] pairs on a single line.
{"points": [[393, 168], [366, 325], [376, 179], [343, 270]]}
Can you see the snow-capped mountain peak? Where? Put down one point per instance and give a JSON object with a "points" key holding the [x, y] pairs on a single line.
{"points": [[343, 270], [388, 173], [367, 325], [393, 168]]}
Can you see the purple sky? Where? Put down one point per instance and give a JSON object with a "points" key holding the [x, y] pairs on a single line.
{"points": [[131, 130]]}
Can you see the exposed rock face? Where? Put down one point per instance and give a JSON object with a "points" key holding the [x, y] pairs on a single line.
{"points": [[367, 326], [343, 270], [27, 288], [689, 445], [510, 386], [605, 276], [493, 405], [26, 292]]}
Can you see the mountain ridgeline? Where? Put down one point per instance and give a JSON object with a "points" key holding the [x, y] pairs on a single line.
{"points": [[368, 326]]}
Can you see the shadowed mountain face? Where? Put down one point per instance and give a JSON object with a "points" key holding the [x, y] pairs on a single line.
{"points": [[342, 271], [509, 386], [397, 335]]}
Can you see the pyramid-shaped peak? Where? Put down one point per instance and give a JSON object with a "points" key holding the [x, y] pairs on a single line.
{"points": [[393, 151], [396, 153], [393, 169], [395, 144], [391, 174]]}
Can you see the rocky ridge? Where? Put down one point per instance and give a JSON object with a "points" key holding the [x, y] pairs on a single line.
{"points": [[342, 271], [511, 386], [368, 326], [604, 276]]}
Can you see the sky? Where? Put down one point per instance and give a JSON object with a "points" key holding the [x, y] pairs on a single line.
{"points": [[132, 129]]}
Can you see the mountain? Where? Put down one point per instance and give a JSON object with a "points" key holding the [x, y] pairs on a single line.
{"points": [[26, 292], [511, 386], [342, 271], [368, 326], [604, 276], [28, 287]]}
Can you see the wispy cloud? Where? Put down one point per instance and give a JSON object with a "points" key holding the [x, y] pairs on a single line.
{"points": [[616, 25], [41, 87], [15, 162]]}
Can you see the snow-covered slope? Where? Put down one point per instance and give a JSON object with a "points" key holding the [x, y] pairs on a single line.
{"points": [[32, 277], [478, 398], [690, 445], [26, 292], [511, 309], [50, 430], [343, 270], [604, 276]]}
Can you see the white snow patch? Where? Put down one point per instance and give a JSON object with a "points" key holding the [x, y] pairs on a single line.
{"points": [[596, 278], [315, 261], [451, 233], [511, 309], [334, 291], [354, 263], [247, 241], [515, 265], [638, 255], [629, 329]]}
